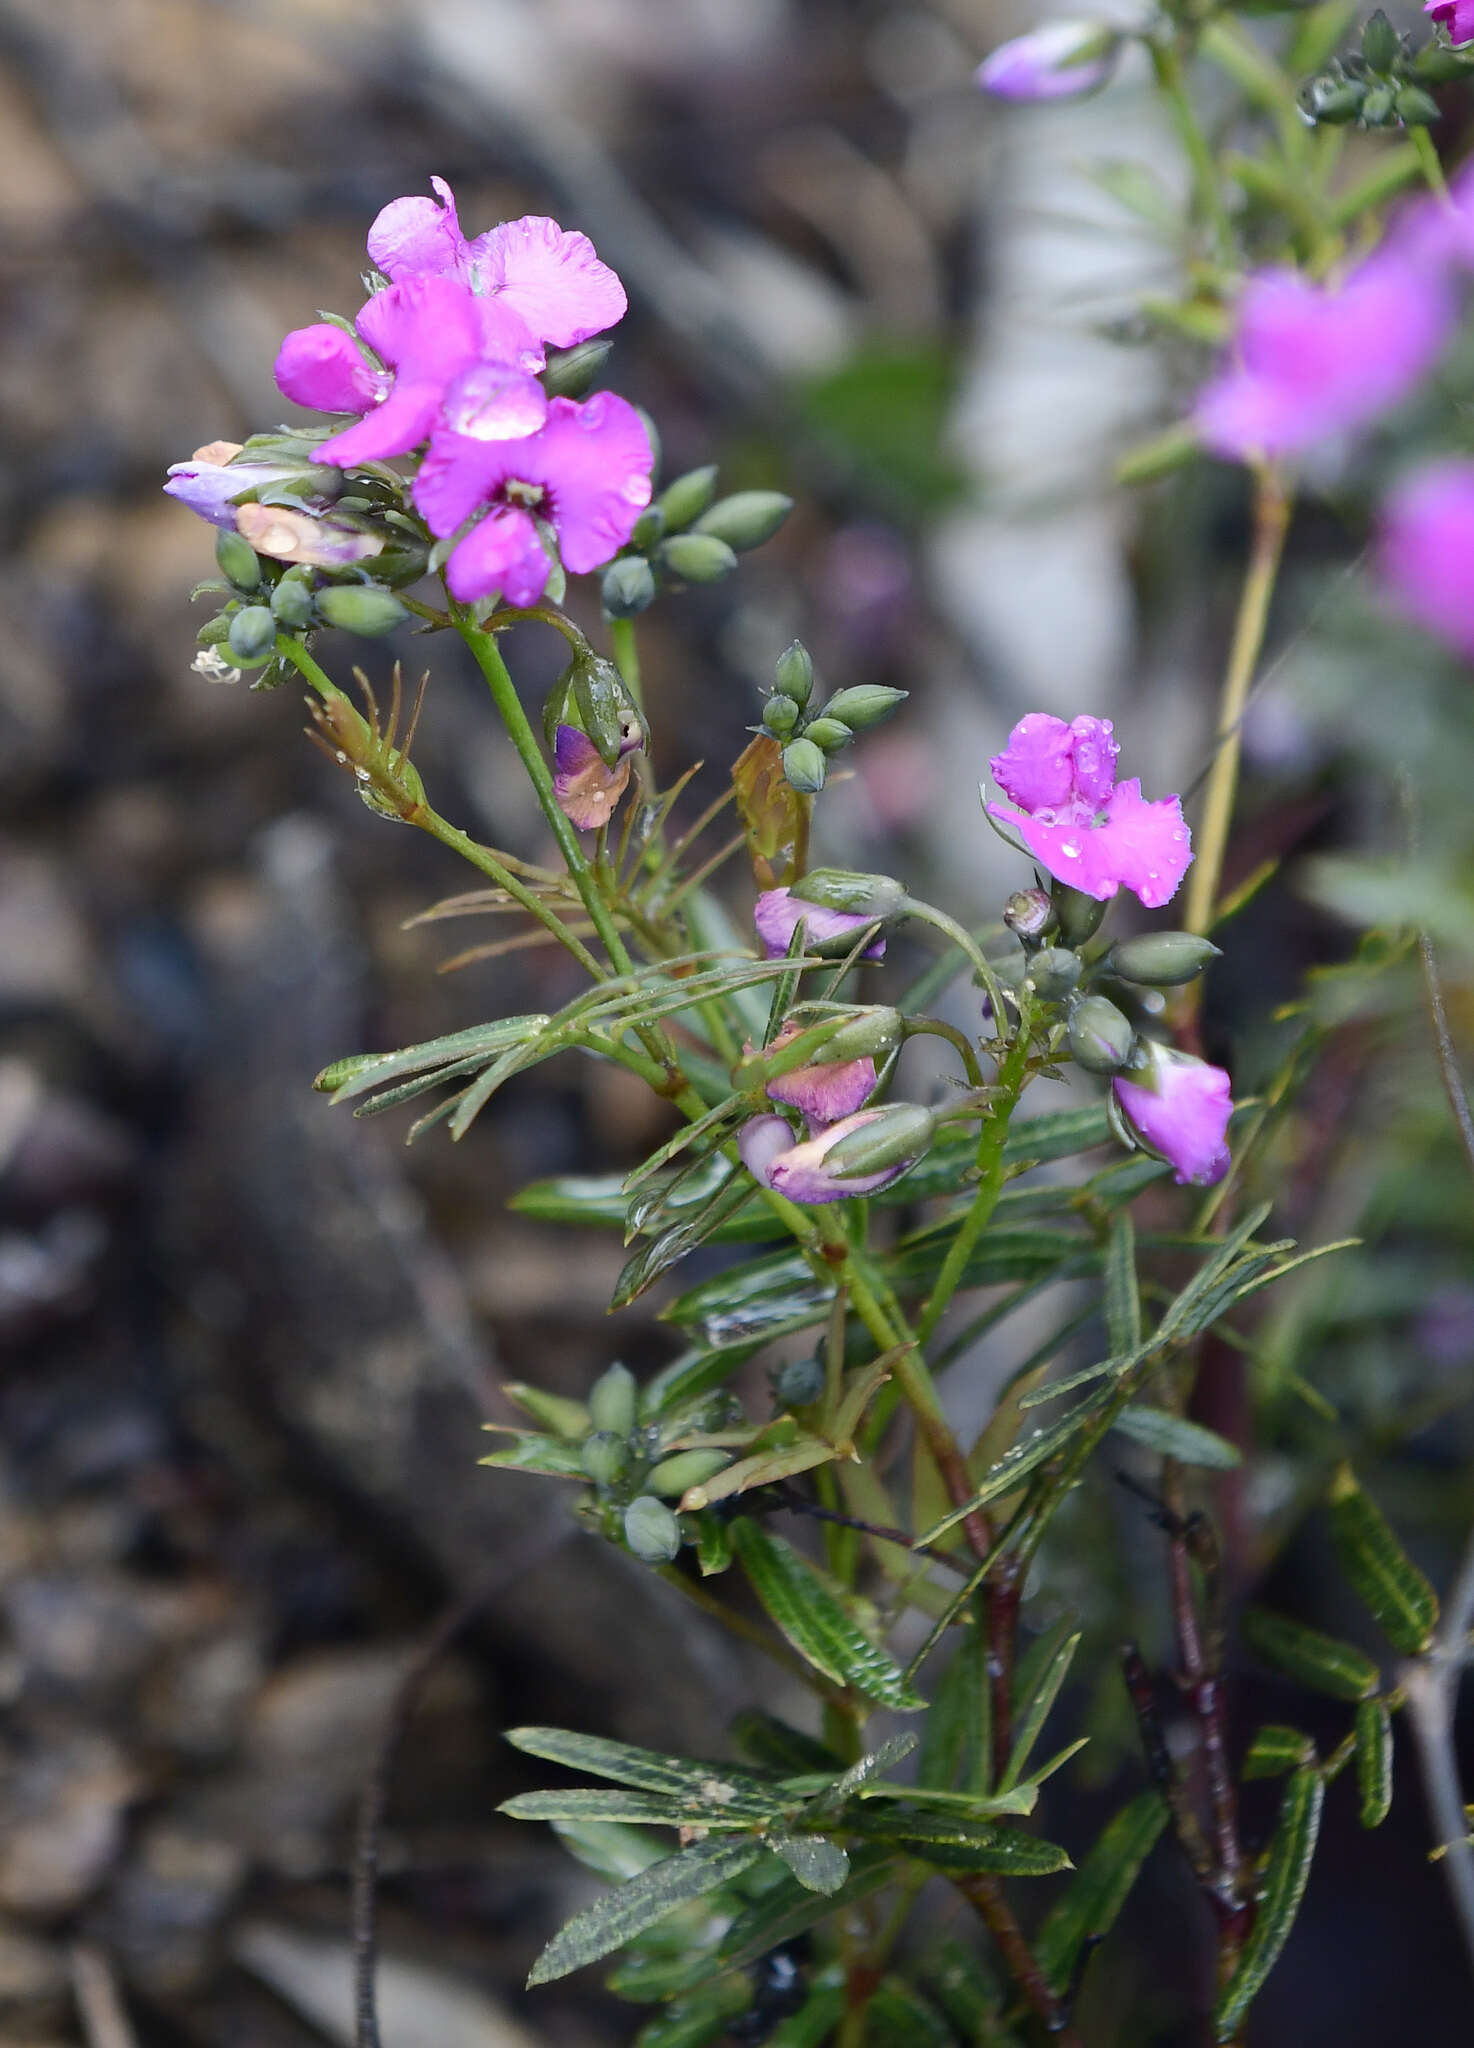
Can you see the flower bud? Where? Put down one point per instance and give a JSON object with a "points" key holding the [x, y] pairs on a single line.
{"points": [[565, 1418], [1381, 45], [1161, 959], [1377, 109], [796, 673], [873, 1034], [900, 1132], [1054, 972], [252, 633], [606, 711], [627, 587], [673, 1476], [697, 557], [651, 1530], [1099, 1037], [688, 497], [1334, 101], [1414, 107], [604, 1456], [856, 894], [864, 706], [614, 1399], [1030, 913], [401, 566], [780, 715], [238, 560], [360, 608], [746, 519], [799, 1383], [1058, 61], [829, 734], [648, 530], [1080, 916], [215, 632], [570, 373], [803, 764]]}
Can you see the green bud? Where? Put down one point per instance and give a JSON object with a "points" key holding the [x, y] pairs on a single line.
{"points": [[688, 497], [674, 1475], [1080, 916], [652, 435], [1380, 43], [604, 1456], [803, 764], [1162, 959], [237, 558], [861, 895], [571, 372], [558, 707], [799, 1383], [215, 632], [401, 566], [1099, 1037], [627, 587], [829, 733], [1415, 108], [901, 1132], [1334, 101], [874, 1034], [1054, 972], [291, 603], [780, 716], [614, 1400], [360, 608], [1030, 913], [746, 519], [605, 708], [651, 1530], [796, 673], [1377, 109], [697, 557], [649, 529], [867, 705], [565, 1418], [252, 633]]}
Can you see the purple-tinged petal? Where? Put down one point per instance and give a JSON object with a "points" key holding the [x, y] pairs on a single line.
{"points": [[1036, 768], [1425, 549], [551, 276], [1182, 1111], [491, 402], [587, 790], [288, 536], [1144, 845], [1066, 850], [417, 234], [777, 913], [594, 460], [825, 1094], [320, 367], [761, 1140], [393, 428], [1457, 16], [1058, 61], [1095, 753], [799, 1173], [457, 474], [426, 327], [209, 487], [503, 552]]}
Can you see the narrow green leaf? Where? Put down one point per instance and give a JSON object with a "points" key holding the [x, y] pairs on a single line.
{"points": [[635, 1809], [690, 1378], [1398, 1597], [717, 1784], [609, 1848], [713, 1546], [1122, 1300], [807, 1613], [1290, 1855], [1086, 1911], [688, 1135], [1321, 1662], [1175, 1437], [667, 1250], [553, 1456], [760, 1299], [1276, 1751], [1008, 1854], [1374, 1761], [1179, 1317], [1026, 1456], [764, 1468], [819, 1864], [612, 1920], [787, 1910], [828, 1799], [346, 1078], [773, 1746], [481, 1090], [1032, 1708], [955, 1748]]}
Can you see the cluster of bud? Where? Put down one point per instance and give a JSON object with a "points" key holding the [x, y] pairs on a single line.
{"points": [[689, 535], [276, 593], [807, 734], [1384, 84]]}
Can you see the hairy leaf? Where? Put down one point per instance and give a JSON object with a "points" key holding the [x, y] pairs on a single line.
{"points": [[1276, 1751], [1025, 1457], [1399, 1598], [612, 1920], [1175, 1437], [553, 1456], [1122, 1301], [610, 1802], [1319, 1661], [819, 1864], [717, 1784], [807, 1613], [1290, 1855], [955, 1746], [1374, 1761], [1087, 1909]]}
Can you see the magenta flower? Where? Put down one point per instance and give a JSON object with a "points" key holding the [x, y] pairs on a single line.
{"points": [[777, 914], [824, 1093], [585, 476], [770, 1155], [1081, 824], [446, 352], [1457, 16], [1314, 360], [586, 787], [211, 481], [1425, 549], [547, 275], [1059, 61], [1180, 1109]]}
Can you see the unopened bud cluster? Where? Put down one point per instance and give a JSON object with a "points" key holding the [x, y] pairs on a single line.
{"points": [[809, 735], [1384, 84], [689, 535]]}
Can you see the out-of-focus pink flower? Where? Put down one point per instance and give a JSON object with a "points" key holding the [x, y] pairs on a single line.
{"points": [[1425, 551], [823, 1093], [1081, 824], [445, 351], [1180, 1108], [549, 276], [1457, 16], [770, 1155], [585, 474], [777, 913], [586, 787], [1061, 60], [288, 536], [1313, 360], [211, 480]]}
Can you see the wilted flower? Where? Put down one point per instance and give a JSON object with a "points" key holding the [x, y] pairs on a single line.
{"points": [[1061, 60], [1457, 16], [548, 275], [797, 1170], [1081, 824], [586, 787], [1315, 359], [777, 914], [1180, 1107], [585, 476], [1425, 549], [288, 536], [211, 480], [825, 1093]]}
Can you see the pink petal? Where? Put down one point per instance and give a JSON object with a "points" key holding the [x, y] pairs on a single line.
{"points": [[426, 327], [1095, 754], [456, 476], [1068, 851], [1036, 768], [399, 424], [1144, 845], [551, 276], [1183, 1113], [825, 1094], [1425, 549], [777, 913], [502, 553], [761, 1140], [320, 367], [416, 234], [595, 461], [489, 402], [587, 790], [799, 1172]]}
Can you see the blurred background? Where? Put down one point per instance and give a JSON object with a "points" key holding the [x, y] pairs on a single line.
{"points": [[247, 1343]]}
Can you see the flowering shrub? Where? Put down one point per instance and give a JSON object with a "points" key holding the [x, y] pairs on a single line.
{"points": [[478, 470]]}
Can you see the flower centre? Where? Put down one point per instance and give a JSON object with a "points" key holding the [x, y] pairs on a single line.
{"points": [[523, 494]]}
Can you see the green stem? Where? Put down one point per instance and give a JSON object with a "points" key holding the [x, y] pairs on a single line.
{"points": [[1207, 188], [1431, 166], [627, 659], [927, 913], [933, 1027]]}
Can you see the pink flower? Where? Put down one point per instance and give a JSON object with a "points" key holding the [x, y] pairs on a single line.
{"points": [[1081, 824], [586, 787], [770, 1155], [1059, 61], [777, 913], [1426, 548], [447, 353], [824, 1093], [549, 276], [1314, 360], [1457, 16], [1180, 1109], [585, 476]]}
